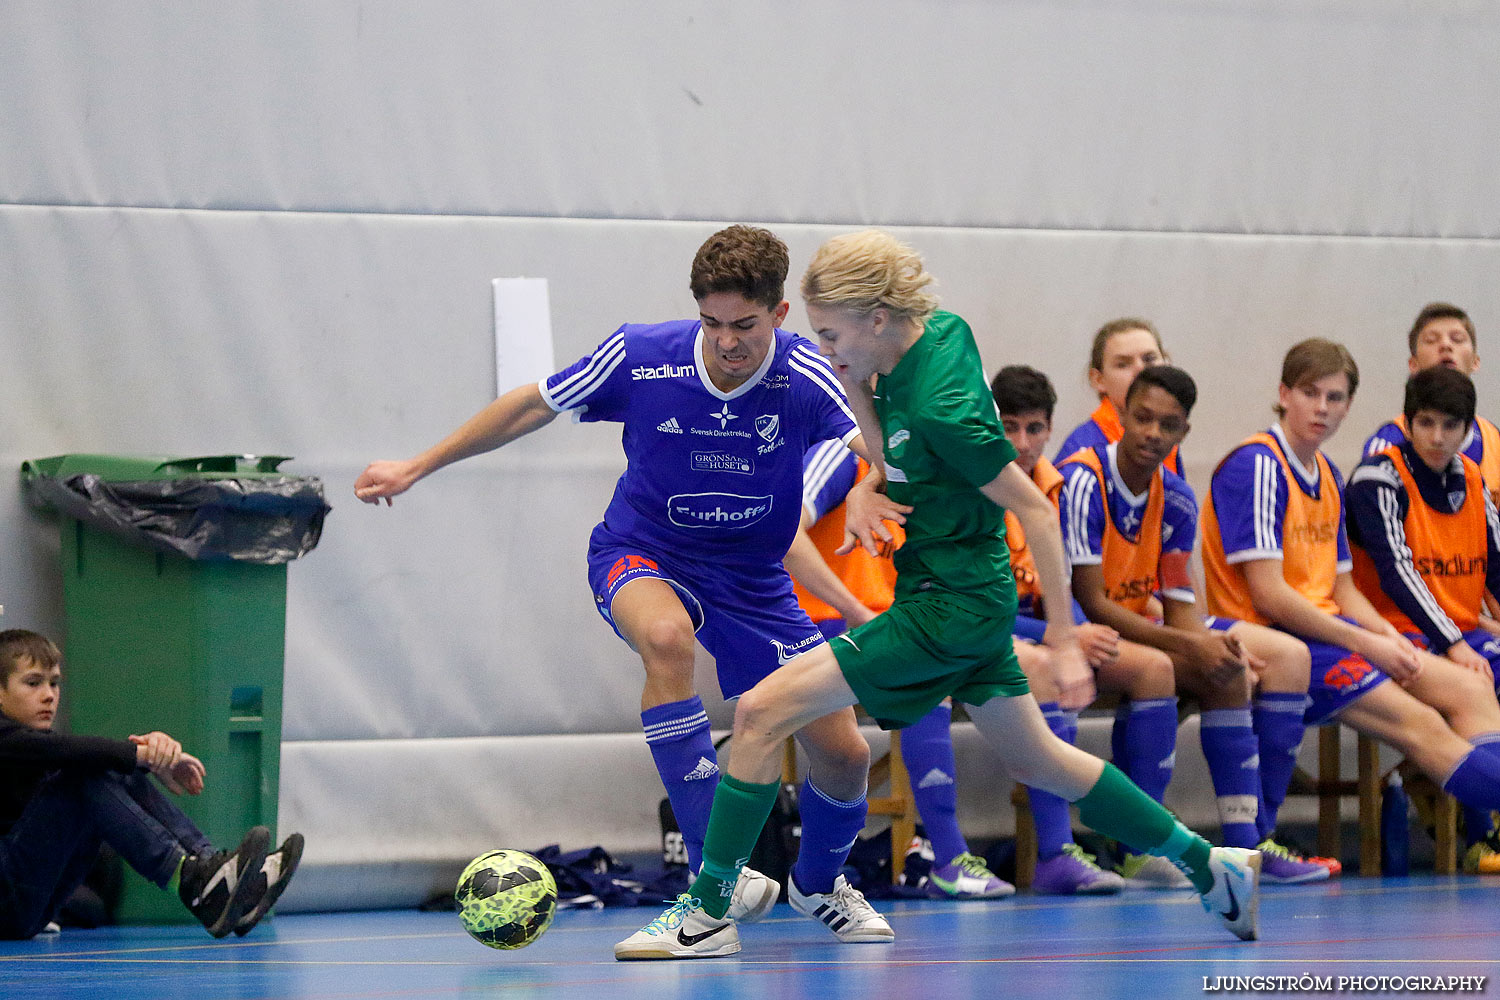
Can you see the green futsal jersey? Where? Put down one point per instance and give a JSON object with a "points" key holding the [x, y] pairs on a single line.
{"points": [[944, 440]]}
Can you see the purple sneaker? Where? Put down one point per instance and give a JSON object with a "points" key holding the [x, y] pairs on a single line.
{"points": [[1073, 873], [966, 877], [1279, 866]]}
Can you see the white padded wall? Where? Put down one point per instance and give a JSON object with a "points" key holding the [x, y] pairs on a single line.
{"points": [[271, 227], [1266, 116]]}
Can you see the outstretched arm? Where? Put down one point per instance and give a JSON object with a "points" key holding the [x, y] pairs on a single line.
{"points": [[868, 508], [517, 413], [808, 567], [1014, 490]]}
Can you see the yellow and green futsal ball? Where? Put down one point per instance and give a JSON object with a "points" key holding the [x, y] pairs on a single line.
{"points": [[506, 899]]}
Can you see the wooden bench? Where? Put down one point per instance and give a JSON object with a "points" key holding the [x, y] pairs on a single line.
{"points": [[1331, 788]]}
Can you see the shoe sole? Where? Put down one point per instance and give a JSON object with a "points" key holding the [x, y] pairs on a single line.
{"points": [[938, 892], [291, 856], [1321, 875], [1133, 883], [648, 953], [868, 936], [253, 850]]}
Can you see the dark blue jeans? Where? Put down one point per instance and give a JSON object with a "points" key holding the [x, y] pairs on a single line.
{"points": [[50, 849]]}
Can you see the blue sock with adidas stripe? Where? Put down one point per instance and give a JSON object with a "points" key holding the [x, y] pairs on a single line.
{"points": [[1147, 734], [1233, 756], [830, 827], [1277, 718], [1054, 823], [927, 751], [683, 750]]}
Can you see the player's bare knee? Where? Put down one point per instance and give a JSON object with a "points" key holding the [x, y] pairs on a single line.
{"points": [[1037, 765], [1155, 677], [666, 647], [760, 716], [849, 756], [1288, 668]]}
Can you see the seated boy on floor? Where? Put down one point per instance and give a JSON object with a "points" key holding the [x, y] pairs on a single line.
{"points": [[61, 796]]}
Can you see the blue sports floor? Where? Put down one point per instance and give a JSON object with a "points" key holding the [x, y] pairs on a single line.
{"points": [[1145, 945]]}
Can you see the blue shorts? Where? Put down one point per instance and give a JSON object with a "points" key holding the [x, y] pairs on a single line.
{"points": [[1338, 675], [1029, 628], [747, 617], [1479, 640]]}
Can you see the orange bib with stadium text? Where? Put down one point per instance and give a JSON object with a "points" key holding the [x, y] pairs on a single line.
{"points": [[1130, 568], [1309, 544], [1450, 551], [872, 579]]}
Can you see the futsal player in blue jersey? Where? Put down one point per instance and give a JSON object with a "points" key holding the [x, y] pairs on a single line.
{"points": [[946, 634], [717, 412]]}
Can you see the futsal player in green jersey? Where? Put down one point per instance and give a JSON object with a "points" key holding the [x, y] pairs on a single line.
{"points": [[948, 633]]}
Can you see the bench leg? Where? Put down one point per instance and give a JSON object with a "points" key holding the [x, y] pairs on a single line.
{"points": [[1328, 802], [1026, 843], [1445, 818], [1369, 806]]}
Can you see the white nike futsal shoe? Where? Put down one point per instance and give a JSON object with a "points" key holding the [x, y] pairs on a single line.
{"points": [[684, 930], [1235, 896], [845, 911], [754, 895]]}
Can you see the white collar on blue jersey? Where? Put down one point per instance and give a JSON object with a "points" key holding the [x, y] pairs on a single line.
{"points": [[1309, 477], [1134, 500], [743, 387]]}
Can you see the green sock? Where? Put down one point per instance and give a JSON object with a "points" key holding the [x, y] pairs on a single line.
{"points": [[740, 810], [175, 882], [1117, 808]]}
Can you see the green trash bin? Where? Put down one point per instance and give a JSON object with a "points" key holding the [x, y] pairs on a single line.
{"points": [[175, 603]]}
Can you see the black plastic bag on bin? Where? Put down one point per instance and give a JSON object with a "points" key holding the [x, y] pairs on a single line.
{"points": [[204, 514]]}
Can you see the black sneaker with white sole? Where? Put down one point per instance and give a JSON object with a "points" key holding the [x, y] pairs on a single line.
{"points": [[268, 883], [214, 886]]}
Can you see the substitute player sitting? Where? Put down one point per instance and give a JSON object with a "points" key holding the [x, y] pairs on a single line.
{"points": [[1424, 536], [1444, 335], [839, 591], [1120, 350], [947, 633], [1275, 552], [1129, 525], [717, 412], [1025, 400]]}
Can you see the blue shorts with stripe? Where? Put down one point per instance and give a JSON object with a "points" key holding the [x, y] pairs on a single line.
{"points": [[747, 617], [1339, 676]]}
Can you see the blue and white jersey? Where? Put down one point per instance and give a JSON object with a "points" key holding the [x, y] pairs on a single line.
{"points": [[1249, 492], [1081, 509], [829, 472], [709, 475]]}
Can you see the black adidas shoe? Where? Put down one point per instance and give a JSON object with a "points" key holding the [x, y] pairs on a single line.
{"points": [[214, 886], [268, 883]]}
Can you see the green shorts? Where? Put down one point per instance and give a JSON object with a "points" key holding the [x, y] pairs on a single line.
{"points": [[925, 649]]}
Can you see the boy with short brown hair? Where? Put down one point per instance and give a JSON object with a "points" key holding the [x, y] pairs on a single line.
{"points": [[61, 796]]}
